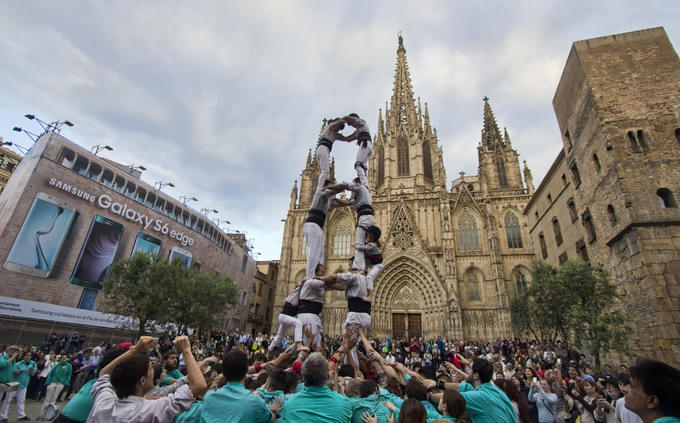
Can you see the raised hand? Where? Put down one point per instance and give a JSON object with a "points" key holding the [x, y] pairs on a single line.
{"points": [[367, 418], [144, 344], [182, 344]]}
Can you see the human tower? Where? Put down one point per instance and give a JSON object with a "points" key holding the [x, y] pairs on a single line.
{"points": [[303, 305]]}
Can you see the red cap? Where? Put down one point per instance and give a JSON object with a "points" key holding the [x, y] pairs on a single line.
{"points": [[297, 367]]}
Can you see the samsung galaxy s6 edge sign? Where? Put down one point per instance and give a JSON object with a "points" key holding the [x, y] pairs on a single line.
{"points": [[105, 201]]}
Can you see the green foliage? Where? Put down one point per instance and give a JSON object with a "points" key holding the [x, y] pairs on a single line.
{"points": [[576, 302], [157, 291]]}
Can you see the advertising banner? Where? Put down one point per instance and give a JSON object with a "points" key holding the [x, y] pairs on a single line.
{"points": [[42, 311]]}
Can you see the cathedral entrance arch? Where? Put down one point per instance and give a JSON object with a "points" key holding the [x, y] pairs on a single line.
{"points": [[409, 301]]}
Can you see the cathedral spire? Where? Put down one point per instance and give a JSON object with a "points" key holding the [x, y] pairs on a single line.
{"points": [[293, 196], [309, 158], [506, 138], [403, 105], [491, 136], [528, 179]]}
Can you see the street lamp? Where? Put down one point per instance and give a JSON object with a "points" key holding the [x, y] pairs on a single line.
{"points": [[186, 198], [51, 126], [162, 184], [29, 134], [208, 211], [133, 168], [97, 148]]}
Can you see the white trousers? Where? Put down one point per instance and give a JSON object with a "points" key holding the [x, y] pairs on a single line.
{"points": [[375, 271], [285, 322], [312, 320], [323, 157], [360, 319], [53, 390], [314, 236], [364, 154], [360, 237], [20, 394]]}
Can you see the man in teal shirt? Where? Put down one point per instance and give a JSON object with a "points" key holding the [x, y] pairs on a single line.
{"points": [[7, 359], [369, 402], [654, 391], [316, 402], [487, 403], [232, 402], [171, 364], [23, 371], [57, 378]]}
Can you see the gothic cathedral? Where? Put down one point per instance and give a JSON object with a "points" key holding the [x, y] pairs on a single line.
{"points": [[452, 257]]}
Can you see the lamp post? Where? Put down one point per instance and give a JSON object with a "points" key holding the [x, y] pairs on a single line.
{"points": [[222, 221], [133, 168], [186, 198], [162, 184], [208, 211], [51, 126], [29, 134], [97, 148]]}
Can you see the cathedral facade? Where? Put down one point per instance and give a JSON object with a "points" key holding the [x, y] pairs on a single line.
{"points": [[453, 255]]}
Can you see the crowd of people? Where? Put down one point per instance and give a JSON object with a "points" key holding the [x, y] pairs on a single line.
{"points": [[220, 376]]}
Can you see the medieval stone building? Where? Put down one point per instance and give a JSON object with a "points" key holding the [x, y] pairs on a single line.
{"points": [[451, 256]]}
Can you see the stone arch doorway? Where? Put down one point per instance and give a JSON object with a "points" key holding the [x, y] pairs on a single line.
{"points": [[409, 298]]}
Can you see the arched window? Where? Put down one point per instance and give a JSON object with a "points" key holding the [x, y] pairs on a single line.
{"points": [[402, 157], [587, 221], [342, 239], [473, 287], [557, 231], [512, 231], [677, 134], [521, 281], [427, 160], [612, 214], [304, 246], [381, 165], [666, 198], [500, 167], [467, 231]]}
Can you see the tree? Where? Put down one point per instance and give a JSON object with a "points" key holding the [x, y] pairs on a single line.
{"points": [[156, 291], [576, 302]]}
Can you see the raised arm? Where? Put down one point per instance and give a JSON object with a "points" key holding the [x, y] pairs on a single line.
{"points": [[142, 346], [196, 380]]}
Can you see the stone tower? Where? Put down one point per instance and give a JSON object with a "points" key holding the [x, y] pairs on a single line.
{"points": [[451, 256]]}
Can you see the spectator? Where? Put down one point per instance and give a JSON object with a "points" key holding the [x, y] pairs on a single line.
{"points": [[654, 391], [58, 377], [23, 370], [118, 393]]}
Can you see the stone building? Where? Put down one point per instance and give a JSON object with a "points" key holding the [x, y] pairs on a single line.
{"points": [[611, 195], [9, 160], [451, 255], [262, 293]]}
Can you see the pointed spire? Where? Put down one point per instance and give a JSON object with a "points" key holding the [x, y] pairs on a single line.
{"points": [[506, 138], [309, 158], [332, 170], [427, 118], [403, 108], [528, 179], [381, 124], [293, 196], [491, 136]]}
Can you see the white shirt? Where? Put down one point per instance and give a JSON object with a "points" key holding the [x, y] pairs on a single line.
{"points": [[624, 414], [107, 408]]}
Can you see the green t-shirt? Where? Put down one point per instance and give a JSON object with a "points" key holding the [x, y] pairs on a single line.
{"points": [[668, 419], [171, 375], [316, 404], [6, 368], [25, 376], [80, 405], [230, 403], [489, 404], [371, 404]]}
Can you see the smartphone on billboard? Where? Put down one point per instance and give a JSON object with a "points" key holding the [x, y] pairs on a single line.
{"points": [[146, 244], [38, 242], [98, 252], [181, 254]]}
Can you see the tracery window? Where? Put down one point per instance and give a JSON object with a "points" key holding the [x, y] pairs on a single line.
{"points": [[512, 231], [427, 160], [467, 231], [342, 239], [521, 281], [473, 287], [502, 178], [402, 157], [381, 165]]}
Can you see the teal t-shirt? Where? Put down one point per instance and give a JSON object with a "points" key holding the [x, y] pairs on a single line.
{"points": [[668, 419], [489, 404], [80, 405], [371, 404], [231, 403], [6, 368], [316, 404], [60, 373], [268, 397], [172, 374], [25, 376]]}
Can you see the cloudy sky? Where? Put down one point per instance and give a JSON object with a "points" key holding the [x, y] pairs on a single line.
{"points": [[225, 98]]}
